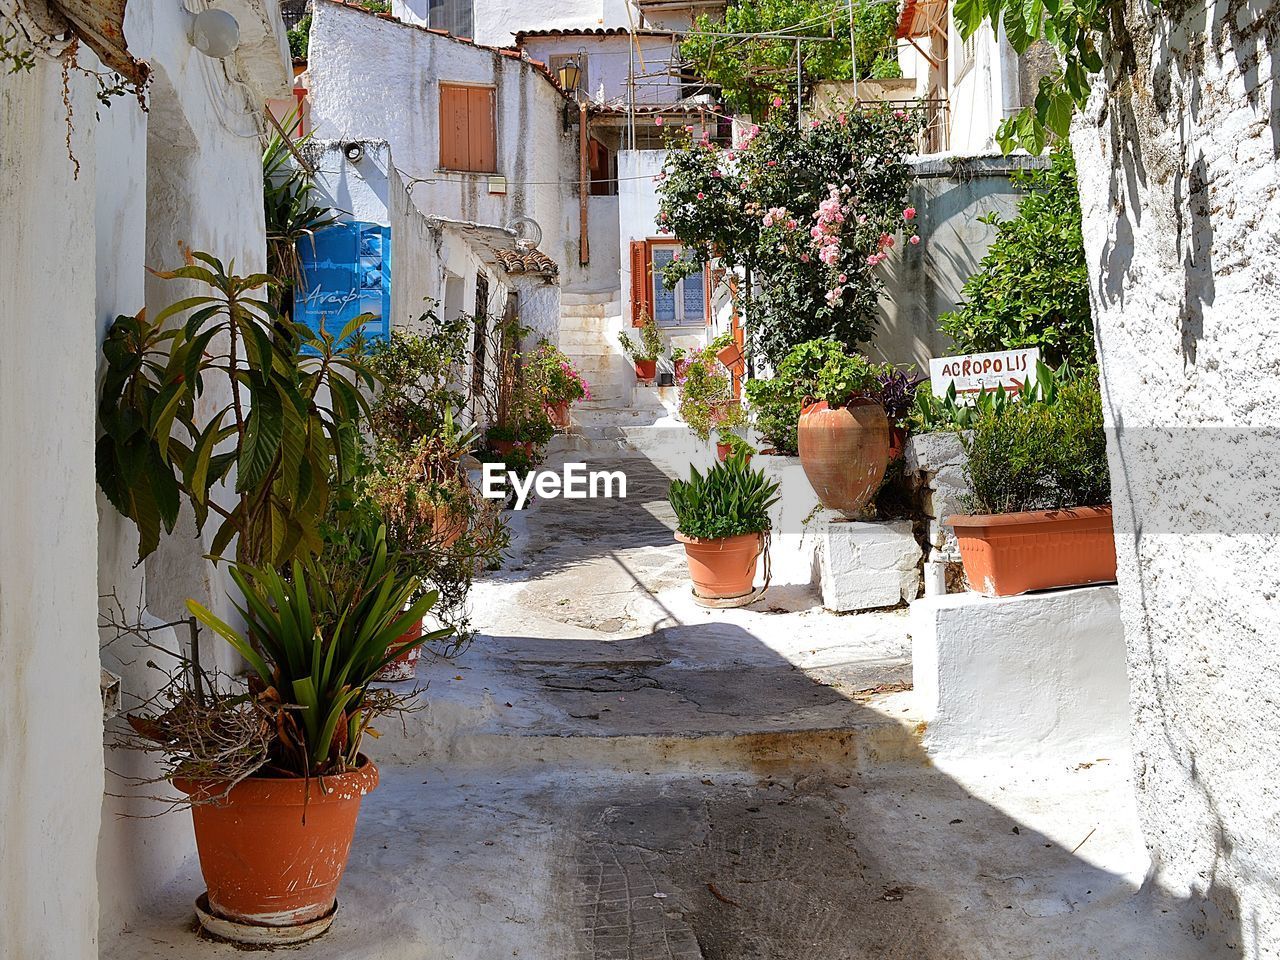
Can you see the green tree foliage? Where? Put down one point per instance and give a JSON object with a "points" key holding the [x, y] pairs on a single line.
{"points": [[1032, 288], [751, 72], [1074, 29], [809, 213]]}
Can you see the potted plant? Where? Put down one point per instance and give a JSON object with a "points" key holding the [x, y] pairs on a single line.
{"points": [[706, 397], [680, 361], [552, 374], [842, 433], [730, 444], [895, 391], [274, 773], [1041, 493], [722, 519], [728, 352], [644, 354]]}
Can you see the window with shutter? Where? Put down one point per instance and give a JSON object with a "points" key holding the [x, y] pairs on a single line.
{"points": [[468, 130], [687, 304]]}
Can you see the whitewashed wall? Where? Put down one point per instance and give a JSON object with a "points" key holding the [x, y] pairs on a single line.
{"points": [[536, 154], [497, 22], [51, 764], [983, 92], [1180, 185]]}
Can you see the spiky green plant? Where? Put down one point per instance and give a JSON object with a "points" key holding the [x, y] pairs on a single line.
{"points": [[729, 500], [315, 640]]}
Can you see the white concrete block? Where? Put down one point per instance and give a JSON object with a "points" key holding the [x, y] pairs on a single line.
{"points": [[864, 566], [1040, 675]]}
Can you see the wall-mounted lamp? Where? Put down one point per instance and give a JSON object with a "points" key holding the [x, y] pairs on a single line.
{"points": [[570, 74], [215, 33], [354, 152]]}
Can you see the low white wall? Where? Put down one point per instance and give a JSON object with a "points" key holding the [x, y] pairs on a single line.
{"points": [[1040, 676]]}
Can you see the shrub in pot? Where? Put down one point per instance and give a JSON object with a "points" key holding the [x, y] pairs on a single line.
{"points": [[707, 402], [729, 444], [843, 434], [644, 353], [1041, 492], [273, 771], [722, 519], [553, 376]]}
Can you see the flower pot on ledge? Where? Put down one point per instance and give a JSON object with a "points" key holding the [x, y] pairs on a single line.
{"points": [[844, 452], [646, 370], [1006, 554], [730, 356], [559, 414]]}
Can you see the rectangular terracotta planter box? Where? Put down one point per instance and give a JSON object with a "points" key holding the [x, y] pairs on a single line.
{"points": [[1006, 554]]}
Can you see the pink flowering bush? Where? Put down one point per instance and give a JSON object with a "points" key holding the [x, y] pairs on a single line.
{"points": [[810, 213], [553, 376]]}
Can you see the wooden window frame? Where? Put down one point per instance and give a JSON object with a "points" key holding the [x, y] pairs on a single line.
{"points": [[642, 282], [449, 152]]}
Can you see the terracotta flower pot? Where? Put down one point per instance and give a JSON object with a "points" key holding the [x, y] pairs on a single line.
{"points": [[273, 851], [405, 665], [897, 442], [448, 526], [559, 414], [730, 356], [646, 370], [681, 368], [1010, 553], [844, 453], [722, 568], [723, 450]]}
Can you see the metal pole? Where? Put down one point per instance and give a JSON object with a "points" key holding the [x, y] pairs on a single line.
{"points": [[799, 87], [853, 52]]}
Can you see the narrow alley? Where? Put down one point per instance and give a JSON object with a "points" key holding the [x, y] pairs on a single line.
{"points": [[611, 772]]}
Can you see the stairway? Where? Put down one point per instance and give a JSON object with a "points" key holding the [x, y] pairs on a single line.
{"points": [[589, 325]]}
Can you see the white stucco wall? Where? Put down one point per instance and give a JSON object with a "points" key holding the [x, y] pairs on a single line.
{"points": [[51, 727], [982, 93], [536, 155], [1180, 186]]}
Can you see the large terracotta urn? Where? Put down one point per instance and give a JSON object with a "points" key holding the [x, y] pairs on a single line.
{"points": [[844, 452]]}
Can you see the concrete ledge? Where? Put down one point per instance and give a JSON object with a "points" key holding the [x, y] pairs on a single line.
{"points": [[1038, 675], [866, 566]]}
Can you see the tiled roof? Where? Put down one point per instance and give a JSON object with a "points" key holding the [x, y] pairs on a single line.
{"points": [[523, 35], [530, 260]]}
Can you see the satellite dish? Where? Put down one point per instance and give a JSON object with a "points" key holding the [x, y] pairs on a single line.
{"points": [[528, 233]]}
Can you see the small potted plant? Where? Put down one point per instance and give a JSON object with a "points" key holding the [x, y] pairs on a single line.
{"points": [[1041, 494], [722, 518], [551, 372], [730, 444], [707, 402], [728, 352], [680, 361], [644, 353]]}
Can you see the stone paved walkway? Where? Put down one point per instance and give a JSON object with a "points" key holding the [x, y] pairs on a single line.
{"points": [[611, 772]]}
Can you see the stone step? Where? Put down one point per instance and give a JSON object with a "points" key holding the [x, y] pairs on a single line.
{"points": [[580, 298]]}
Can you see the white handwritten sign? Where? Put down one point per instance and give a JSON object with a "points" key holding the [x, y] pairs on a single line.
{"points": [[976, 372]]}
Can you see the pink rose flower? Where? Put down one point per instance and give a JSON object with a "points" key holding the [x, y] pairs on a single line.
{"points": [[909, 213], [777, 101], [915, 241], [657, 121], [701, 195]]}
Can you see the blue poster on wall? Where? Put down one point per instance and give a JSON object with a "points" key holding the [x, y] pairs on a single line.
{"points": [[347, 272]]}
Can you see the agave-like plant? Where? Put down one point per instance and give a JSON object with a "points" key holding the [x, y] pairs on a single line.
{"points": [[729, 500], [315, 640]]}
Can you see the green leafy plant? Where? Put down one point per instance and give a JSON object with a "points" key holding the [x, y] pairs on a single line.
{"points": [[821, 369], [1032, 287], [752, 72], [553, 375], [314, 640], [1039, 455], [286, 422], [293, 214], [738, 446], [706, 396], [650, 346], [299, 36], [808, 216], [1073, 28], [948, 413], [729, 500]]}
